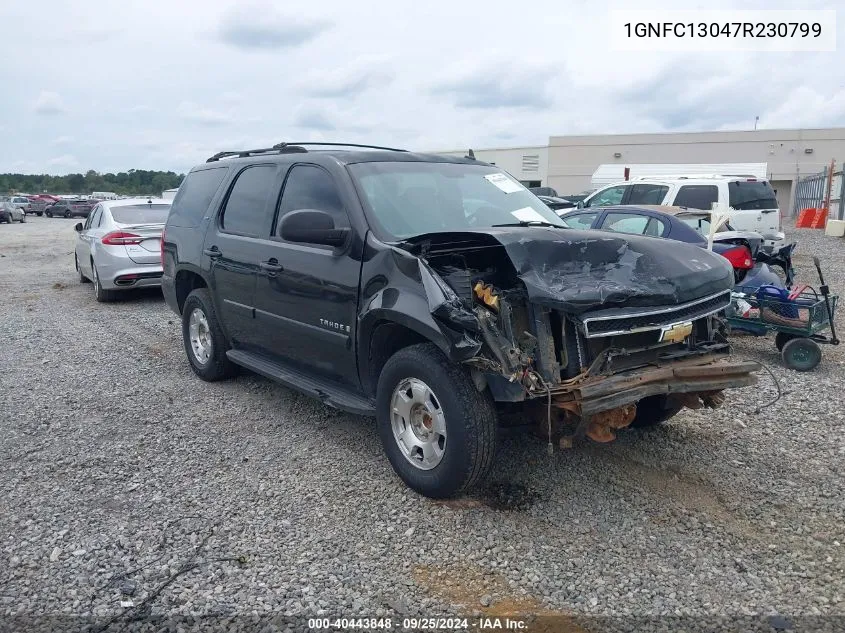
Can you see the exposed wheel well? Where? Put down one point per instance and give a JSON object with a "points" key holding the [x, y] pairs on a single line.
{"points": [[387, 339], [185, 282]]}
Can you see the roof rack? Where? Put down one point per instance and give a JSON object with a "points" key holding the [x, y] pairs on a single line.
{"points": [[694, 176], [289, 148]]}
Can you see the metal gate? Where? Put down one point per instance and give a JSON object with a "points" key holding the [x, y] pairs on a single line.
{"points": [[810, 193]]}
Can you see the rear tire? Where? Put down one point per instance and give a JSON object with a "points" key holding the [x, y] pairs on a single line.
{"points": [[40, 213], [101, 294], [68, 214], [465, 417], [23, 218], [654, 410], [781, 339], [801, 354], [216, 365]]}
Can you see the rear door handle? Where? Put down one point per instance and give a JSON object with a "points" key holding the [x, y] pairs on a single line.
{"points": [[769, 210], [272, 266], [212, 252]]}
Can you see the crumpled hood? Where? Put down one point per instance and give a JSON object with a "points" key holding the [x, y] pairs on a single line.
{"points": [[578, 271]]}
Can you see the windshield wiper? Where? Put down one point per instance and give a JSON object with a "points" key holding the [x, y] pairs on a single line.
{"points": [[529, 223]]}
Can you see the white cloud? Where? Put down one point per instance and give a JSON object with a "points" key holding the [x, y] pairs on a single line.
{"points": [[63, 140], [49, 103], [65, 160], [222, 74], [202, 115], [258, 25]]}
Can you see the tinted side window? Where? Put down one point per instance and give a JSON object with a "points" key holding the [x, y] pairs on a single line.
{"points": [[633, 223], [195, 194], [647, 194], [311, 187], [608, 197], [246, 208], [697, 196], [580, 221]]}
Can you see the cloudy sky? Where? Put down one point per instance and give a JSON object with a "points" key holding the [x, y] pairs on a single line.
{"points": [[149, 84]]}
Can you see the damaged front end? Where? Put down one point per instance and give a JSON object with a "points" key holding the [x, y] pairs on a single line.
{"points": [[592, 332]]}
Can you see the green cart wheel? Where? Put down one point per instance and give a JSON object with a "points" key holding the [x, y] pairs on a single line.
{"points": [[801, 354], [782, 338]]}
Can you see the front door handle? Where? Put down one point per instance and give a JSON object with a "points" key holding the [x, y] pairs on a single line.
{"points": [[272, 266], [769, 210], [213, 252]]}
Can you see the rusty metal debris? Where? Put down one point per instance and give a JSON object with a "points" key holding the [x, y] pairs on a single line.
{"points": [[602, 426]]}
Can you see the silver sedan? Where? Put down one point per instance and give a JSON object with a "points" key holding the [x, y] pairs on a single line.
{"points": [[11, 213], [118, 247]]}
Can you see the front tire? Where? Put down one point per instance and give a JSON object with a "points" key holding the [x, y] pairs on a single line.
{"points": [[49, 215], [82, 278], [203, 338], [801, 354], [40, 213], [437, 429], [68, 214]]}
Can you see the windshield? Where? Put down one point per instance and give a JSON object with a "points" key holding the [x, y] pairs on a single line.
{"points": [[753, 194], [414, 198], [141, 214]]}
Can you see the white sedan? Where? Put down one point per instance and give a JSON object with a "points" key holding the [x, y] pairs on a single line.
{"points": [[119, 245]]}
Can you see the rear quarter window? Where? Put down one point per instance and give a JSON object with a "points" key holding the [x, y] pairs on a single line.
{"points": [[697, 196], [195, 194]]}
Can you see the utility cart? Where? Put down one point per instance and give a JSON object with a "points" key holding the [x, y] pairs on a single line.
{"points": [[797, 315]]}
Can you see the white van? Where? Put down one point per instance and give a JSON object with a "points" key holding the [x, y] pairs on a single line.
{"points": [[751, 202]]}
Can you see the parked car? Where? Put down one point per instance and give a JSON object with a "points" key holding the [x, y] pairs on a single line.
{"points": [[751, 202], [556, 204], [71, 209], [40, 202], [10, 213], [119, 246], [543, 191], [19, 202], [692, 226], [431, 291]]}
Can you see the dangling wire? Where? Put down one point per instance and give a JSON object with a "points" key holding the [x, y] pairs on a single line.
{"points": [[781, 392]]}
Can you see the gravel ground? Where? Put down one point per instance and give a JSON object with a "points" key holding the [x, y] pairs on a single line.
{"points": [[130, 487]]}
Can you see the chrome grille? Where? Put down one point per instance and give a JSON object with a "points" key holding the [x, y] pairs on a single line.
{"points": [[653, 318]]}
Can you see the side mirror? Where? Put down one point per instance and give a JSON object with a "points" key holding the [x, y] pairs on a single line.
{"points": [[78, 227], [311, 226], [580, 204]]}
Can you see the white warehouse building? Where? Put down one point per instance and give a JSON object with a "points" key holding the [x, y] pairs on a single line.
{"points": [[569, 163]]}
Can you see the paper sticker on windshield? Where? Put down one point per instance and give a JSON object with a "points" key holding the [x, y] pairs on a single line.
{"points": [[527, 214], [503, 182]]}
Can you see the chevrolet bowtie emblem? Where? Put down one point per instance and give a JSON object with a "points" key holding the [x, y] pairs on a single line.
{"points": [[675, 333]]}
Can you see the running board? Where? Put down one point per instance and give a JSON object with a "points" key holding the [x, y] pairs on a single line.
{"points": [[325, 391]]}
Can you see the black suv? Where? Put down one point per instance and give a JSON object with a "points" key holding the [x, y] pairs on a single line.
{"points": [[442, 297]]}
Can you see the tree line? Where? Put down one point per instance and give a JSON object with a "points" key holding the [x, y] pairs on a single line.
{"points": [[134, 181]]}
